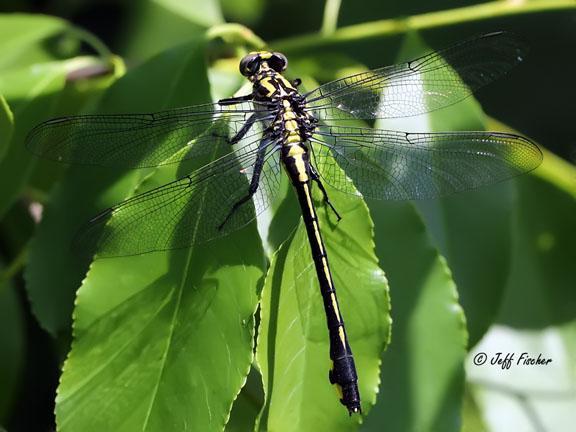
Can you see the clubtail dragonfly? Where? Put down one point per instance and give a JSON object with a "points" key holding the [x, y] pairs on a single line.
{"points": [[247, 140]]}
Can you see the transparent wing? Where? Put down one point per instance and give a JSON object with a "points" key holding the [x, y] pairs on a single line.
{"points": [[187, 211], [428, 83], [395, 165], [138, 140]]}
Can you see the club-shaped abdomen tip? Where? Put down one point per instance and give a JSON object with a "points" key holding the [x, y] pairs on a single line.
{"points": [[354, 410]]}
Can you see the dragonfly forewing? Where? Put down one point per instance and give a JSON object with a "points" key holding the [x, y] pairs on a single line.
{"points": [[138, 140], [448, 76]]}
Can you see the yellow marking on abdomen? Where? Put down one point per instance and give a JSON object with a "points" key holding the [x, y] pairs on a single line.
{"points": [[339, 391], [317, 234], [300, 166], [326, 272], [342, 336], [336, 385], [318, 238], [335, 306], [314, 223], [309, 200], [296, 151]]}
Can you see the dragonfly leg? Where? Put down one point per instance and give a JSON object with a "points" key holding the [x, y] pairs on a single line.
{"points": [[316, 177], [258, 165], [241, 133], [236, 100], [243, 130]]}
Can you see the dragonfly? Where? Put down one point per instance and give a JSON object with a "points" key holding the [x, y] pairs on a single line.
{"points": [[242, 143]]}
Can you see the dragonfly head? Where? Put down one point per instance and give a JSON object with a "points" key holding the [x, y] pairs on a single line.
{"points": [[261, 61]]}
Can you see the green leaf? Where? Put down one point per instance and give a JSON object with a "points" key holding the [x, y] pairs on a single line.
{"points": [[160, 337], [24, 39], [160, 24], [422, 370], [540, 290], [6, 126], [472, 230], [293, 344], [32, 93], [162, 340], [247, 405], [246, 12], [205, 13]]}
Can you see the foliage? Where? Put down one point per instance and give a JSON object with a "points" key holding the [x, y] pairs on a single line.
{"points": [[231, 334]]}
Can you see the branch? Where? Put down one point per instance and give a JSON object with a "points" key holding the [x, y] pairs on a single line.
{"points": [[388, 27]]}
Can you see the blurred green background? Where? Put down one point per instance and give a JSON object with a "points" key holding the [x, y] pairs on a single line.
{"points": [[164, 341]]}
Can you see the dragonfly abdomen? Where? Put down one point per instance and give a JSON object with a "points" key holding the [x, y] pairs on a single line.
{"points": [[343, 372], [295, 157]]}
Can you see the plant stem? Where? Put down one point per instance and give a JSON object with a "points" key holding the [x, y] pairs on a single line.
{"points": [[14, 267], [235, 34], [100, 47], [330, 20], [425, 21]]}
